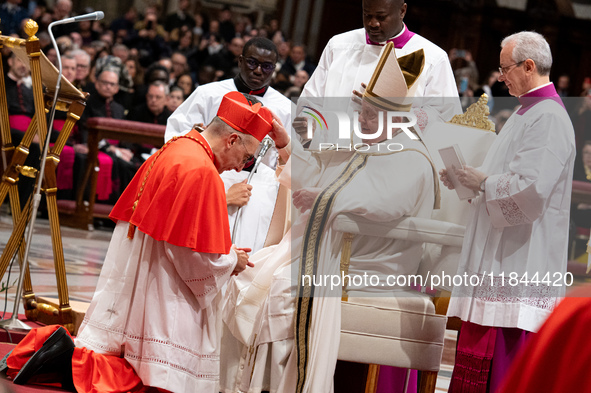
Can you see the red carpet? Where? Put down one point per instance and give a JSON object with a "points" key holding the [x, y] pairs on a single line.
{"points": [[15, 337]]}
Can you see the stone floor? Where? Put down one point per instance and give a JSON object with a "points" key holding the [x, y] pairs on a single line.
{"points": [[84, 252]]}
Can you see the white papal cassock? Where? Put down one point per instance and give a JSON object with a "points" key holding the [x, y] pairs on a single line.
{"points": [[518, 229], [260, 304], [201, 107]]}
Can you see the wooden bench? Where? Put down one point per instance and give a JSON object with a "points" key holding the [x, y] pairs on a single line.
{"points": [[80, 212], [581, 192]]}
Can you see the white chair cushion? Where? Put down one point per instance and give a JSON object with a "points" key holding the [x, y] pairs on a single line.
{"points": [[403, 331]]}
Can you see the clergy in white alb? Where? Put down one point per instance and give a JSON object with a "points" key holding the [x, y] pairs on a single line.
{"points": [[516, 239], [350, 58]]}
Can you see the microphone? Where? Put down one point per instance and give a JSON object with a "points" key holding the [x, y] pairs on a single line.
{"points": [[92, 16], [98, 15], [14, 322], [266, 144]]}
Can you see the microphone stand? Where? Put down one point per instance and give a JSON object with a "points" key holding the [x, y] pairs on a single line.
{"points": [[14, 323], [266, 145]]}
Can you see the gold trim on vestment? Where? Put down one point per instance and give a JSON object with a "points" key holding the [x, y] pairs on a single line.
{"points": [[319, 215], [412, 66], [386, 104]]}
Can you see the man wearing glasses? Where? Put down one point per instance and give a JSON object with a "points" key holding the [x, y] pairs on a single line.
{"points": [[118, 169], [516, 238], [257, 64], [82, 68]]}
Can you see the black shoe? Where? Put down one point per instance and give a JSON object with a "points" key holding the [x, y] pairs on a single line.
{"points": [[3, 365], [54, 355]]}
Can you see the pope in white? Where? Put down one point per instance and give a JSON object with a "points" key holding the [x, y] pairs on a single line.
{"points": [[260, 309]]}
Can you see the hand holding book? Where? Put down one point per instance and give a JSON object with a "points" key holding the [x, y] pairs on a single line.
{"points": [[456, 175], [471, 178]]}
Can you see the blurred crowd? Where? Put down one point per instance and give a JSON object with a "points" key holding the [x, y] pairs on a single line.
{"points": [[139, 67]]}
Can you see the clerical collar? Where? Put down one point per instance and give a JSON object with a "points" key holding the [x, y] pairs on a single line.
{"points": [[205, 140], [399, 40], [538, 94], [241, 87]]}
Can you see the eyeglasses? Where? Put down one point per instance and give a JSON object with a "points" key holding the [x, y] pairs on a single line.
{"points": [[248, 160], [107, 83], [505, 70], [253, 64]]}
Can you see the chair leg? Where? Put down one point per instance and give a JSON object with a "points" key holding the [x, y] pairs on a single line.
{"points": [[371, 385], [427, 382], [407, 380]]}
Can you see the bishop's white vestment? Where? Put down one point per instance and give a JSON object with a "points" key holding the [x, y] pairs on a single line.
{"points": [[149, 289], [518, 230]]}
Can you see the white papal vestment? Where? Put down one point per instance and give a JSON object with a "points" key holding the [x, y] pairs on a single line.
{"points": [[259, 305]]}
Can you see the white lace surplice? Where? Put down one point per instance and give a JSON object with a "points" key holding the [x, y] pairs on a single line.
{"points": [[157, 304], [519, 228]]}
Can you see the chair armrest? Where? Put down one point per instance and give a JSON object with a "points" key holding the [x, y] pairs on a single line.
{"points": [[406, 228]]}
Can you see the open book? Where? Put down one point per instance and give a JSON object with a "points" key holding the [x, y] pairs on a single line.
{"points": [[452, 159]]}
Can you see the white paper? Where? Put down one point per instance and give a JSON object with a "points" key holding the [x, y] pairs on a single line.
{"points": [[452, 159]]}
